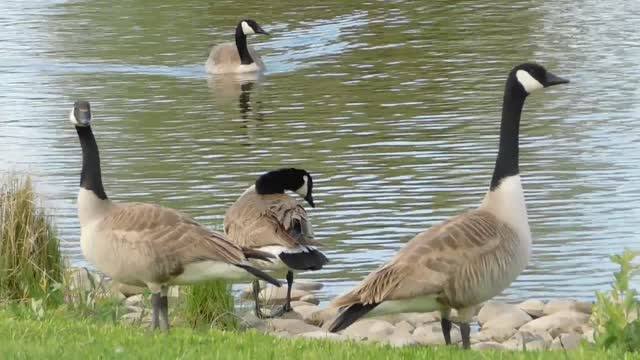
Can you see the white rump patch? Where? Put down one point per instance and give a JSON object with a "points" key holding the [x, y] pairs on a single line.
{"points": [[529, 83], [246, 29], [304, 189], [416, 304], [209, 270]]}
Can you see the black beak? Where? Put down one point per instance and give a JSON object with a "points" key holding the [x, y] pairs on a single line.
{"points": [[309, 199], [260, 30], [552, 79], [83, 115]]}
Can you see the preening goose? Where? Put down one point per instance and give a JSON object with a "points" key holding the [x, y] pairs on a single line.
{"points": [[264, 218], [471, 257], [149, 245], [237, 57]]}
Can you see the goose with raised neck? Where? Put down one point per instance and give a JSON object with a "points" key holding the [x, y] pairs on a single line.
{"points": [[470, 258], [149, 245]]}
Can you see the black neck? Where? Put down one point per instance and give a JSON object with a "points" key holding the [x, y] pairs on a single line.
{"points": [[507, 161], [91, 177], [241, 44]]}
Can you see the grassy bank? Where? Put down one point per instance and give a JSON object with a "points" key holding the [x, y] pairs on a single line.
{"points": [[65, 337]]}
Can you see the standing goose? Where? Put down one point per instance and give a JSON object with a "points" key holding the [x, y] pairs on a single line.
{"points": [[149, 245], [471, 257], [239, 57], [266, 219]]}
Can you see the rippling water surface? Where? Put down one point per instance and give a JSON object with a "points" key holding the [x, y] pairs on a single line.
{"points": [[392, 106]]}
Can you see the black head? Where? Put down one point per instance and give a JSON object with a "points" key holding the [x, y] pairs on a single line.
{"points": [[277, 181], [248, 27], [532, 77], [81, 114]]}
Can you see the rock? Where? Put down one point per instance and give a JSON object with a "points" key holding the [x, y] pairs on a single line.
{"points": [[251, 321], [136, 300], [415, 319], [528, 340], [277, 296], [405, 326], [307, 285], [570, 341], [487, 345], [557, 323], [588, 334], [324, 335], [296, 303], [174, 292], [310, 298], [324, 317], [306, 311], [400, 338], [492, 310], [369, 329], [532, 307], [84, 280], [135, 309], [128, 290], [132, 318], [497, 334], [292, 326], [514, 319], [558, 305], [431, 334]]}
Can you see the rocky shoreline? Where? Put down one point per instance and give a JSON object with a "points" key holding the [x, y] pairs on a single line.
{"points": [[530, 325]]}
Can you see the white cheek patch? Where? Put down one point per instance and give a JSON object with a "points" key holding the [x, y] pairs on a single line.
{"points": [[302, 190], [529, 83], [246, 29], [72, 118]]}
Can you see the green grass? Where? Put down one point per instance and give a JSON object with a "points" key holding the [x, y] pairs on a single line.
{"points": [[209, 304], [30, 261], [63, 337]]}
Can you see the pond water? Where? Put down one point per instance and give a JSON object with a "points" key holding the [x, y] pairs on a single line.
{"points": [[393, 106]]}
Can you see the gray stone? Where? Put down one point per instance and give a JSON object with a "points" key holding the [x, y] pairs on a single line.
{"points": [[431, 334], [405, 326], [492, 310], [487, 345], [415, 319], [251, 321], [528, 340], [84, 280], [136, 300], [400, 338], [292, 326], [129, 290], [323, 335], [134, 309], [132, 318], [307, 285], [570, 341], [557, 323], [558, 305], [588, 334], [514, 319], [306, 311], [310, 298], [532, 307], [297, 303], [324, 317], [277, 296], [498, 334], [369, 329]]}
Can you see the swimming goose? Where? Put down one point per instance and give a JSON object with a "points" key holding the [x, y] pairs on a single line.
{"points": [[239, 57], [265, 218], [471, 257], [149, 245]]}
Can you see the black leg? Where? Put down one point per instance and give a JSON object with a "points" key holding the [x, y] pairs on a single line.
{"points": [[256, 298], [465, 330], [287, 304], [155, 314], [446, 330], [164, 313]]}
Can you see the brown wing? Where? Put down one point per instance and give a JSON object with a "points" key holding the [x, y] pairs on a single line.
{"points": [[167, 236], [225, 53], [428, 263], [262, 220]]}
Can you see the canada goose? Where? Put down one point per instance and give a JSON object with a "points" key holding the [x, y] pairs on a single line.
{"points": [[239, 57], [471, 257], [145, 244], [264, 218]]}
